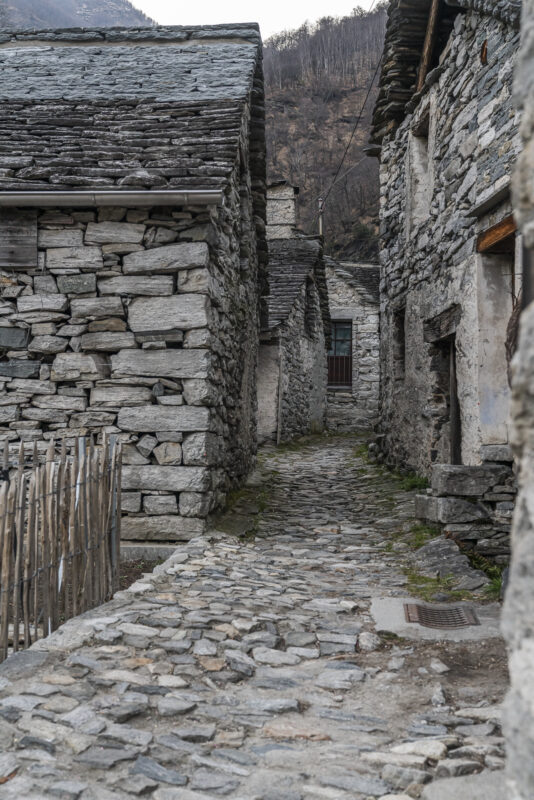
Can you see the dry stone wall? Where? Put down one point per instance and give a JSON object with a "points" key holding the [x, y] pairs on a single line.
{"points": [[356, 407], [519, 606], [125, 327], [302, 400], [429, 262]]}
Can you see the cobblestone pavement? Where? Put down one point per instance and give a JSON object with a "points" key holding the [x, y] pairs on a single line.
{"points": [[251, 669]]}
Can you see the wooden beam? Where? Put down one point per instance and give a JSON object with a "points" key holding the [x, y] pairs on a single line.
{"points": [[487, 240], [428, 47]]}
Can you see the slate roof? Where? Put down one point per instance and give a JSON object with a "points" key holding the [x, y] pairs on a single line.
{"points": [[291, 263], [119, 108], [365, 278], [405, 36]]}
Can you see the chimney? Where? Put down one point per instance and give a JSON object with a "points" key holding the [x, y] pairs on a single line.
{"points": [[281, 210]]}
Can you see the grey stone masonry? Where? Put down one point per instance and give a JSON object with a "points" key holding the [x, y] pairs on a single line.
{"points": [[453, 149], [519, 605], [473, 505], [139, 321], [292, 370], [152, 108], [448, 299], [353, 297]]}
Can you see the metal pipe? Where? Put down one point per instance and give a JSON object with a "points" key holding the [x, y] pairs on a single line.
{"points": [[125, 199]]}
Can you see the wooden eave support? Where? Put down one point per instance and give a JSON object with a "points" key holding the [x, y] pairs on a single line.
{"points": [[493, 236], [428, 47]]}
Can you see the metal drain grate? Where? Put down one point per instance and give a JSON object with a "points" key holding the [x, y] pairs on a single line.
{"points": [[451, 617]]}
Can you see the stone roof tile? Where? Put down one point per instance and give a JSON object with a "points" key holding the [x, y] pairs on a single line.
{"points": [[120, 108]]}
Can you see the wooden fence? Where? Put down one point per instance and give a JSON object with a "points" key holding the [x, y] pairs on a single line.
{"points": [[59, 537]]}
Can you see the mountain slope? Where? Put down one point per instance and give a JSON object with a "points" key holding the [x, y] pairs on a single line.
{"points": [[70, 14], [317, 79]]}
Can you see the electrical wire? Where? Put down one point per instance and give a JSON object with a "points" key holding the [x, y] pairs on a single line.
{"points": [[351, 139]]}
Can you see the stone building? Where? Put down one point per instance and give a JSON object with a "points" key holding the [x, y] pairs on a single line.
{"points": [[519, 606], [353, 358], [292, 361], [132, 252], [446, 132]]}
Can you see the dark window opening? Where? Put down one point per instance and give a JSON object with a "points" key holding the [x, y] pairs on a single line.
{"points": [[340, 355], [440, 23], [399, 344]]}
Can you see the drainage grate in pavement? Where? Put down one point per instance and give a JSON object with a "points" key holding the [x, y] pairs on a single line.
{"points": [[452, 617]]}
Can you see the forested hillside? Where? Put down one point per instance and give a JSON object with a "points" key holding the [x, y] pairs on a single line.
{"points": [[69, 13], [317, 79]]}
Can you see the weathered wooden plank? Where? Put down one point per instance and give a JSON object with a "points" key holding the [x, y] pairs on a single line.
{"points": [[18, 238], [495, 235], [429, 44]]}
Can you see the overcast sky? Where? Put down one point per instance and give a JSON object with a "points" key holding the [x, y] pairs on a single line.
{"points": [[273, 15]]}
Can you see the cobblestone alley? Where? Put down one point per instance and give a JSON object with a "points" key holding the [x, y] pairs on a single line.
{"points": [[252, 668]]}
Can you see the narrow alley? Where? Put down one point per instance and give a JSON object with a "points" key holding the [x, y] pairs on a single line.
{"points": [[254, 668]]}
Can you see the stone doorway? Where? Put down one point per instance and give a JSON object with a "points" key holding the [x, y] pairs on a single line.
{"points": [[444, 403]]}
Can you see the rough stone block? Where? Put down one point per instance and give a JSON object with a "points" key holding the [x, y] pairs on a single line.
{"points": [[107, 341], [160, 504], [15, 368], [467, 481], [149, 286], [161, 363], [114, 233], [173, 257], [161, 528], [183, 312], [48, 344], [9, 413], [120, 396], [77, 367], [496, 452], [77, 284], [60, 238], [131, 502], [60, 401], [97, 307], [195, 280], [199, 393], [146, 445], [14, 338], [42, 302], [200, 449], [148, 419], [166, 479], [448, 509], [31, 386], [194, 504], [86, 258], [168, 453]]}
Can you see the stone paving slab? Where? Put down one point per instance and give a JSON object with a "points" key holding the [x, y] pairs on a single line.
{"points": [[251, 669], [486, 786]]}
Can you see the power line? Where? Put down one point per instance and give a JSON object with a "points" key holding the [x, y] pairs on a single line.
{"points": [[353, 134]]}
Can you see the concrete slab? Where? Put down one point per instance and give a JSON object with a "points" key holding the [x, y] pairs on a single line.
{"points": [[388, 614], [146, 552], [486, 786]]}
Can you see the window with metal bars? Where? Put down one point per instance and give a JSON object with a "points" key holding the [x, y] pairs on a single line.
{"points": [[340, 355]]}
